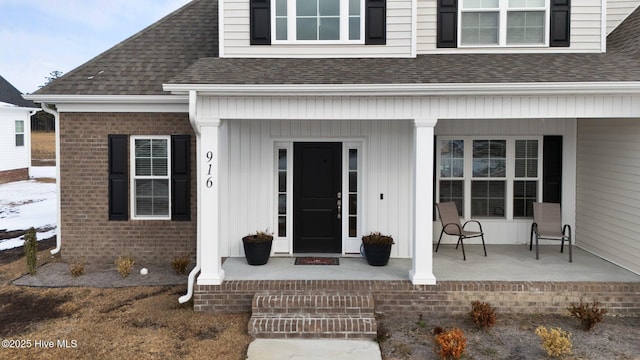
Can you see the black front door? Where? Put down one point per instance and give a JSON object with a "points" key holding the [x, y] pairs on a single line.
{"points": [[317, 170]]}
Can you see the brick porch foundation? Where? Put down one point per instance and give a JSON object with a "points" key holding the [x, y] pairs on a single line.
{"points": [[401, 297]]}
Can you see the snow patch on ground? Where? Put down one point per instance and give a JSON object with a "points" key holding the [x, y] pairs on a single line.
{"points": [[37, 172], [26, 204]]}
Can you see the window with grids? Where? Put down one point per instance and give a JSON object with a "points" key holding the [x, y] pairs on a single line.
{"points": [[151, 177], [19, 132], [353, 192], [488, 185], [503, 22], [525, 184], [491, 178], [318, 20], [282, 192], [452, 172]]}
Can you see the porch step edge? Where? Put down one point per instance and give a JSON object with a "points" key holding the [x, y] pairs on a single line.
{"points": [[312, 314]]}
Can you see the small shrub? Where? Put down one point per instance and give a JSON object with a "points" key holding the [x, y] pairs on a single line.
{"points": [[31, 250], [483, 314], [259, 237], [589, 315], [555, 341], [376, 238], [76, 268], [124, 265], [180, 263], [382, 333], [421, 323], [450, 344]]}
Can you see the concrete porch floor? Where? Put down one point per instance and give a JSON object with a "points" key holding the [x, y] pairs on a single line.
{"points": [[503, 263]]}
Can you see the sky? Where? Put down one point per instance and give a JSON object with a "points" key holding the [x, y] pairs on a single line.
{"points": [[24, 204], [38, 37]]}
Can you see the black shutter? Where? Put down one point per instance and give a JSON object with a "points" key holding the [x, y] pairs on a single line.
{"points": [[260, 22], [559, 34], [118, 177], [447, 23], [180, 177], [552, 169], [375, 22]]}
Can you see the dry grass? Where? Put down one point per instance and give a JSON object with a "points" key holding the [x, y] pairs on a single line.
{"points": [[136, 323], [43, 146]]}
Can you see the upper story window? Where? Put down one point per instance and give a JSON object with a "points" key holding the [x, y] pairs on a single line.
{"points": [[19, 132], [318, 20], [503, 22]]}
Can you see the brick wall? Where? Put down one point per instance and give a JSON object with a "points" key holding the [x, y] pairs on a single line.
{"points": [[397, 298], [14, 175], [86, 231]]}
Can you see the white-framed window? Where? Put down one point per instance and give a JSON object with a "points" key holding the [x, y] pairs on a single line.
{"points": [[318, 21], [353, 193], [489, 177], [19, 133], [503, 22], [151, 177]]}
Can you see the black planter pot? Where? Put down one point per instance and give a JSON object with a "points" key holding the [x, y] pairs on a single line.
{"points": [[377, 255], [257, 253]]}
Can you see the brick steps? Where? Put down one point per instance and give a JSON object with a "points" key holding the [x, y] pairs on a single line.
{"points": [[312, 314]]}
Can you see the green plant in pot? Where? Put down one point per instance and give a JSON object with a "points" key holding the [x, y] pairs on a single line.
{"points": [[257, 247], [376, 248]]}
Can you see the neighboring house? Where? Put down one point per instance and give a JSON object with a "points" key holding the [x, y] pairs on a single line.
{"points": [[15, 133], [324, 123]]}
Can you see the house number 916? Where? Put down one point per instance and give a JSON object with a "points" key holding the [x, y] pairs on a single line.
{"points": [[209, 165]]}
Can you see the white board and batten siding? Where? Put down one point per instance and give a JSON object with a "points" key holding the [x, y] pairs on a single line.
{"points": [[14, 157], [586, 33], [235, 36], [517, 231], [608, 189], [248, 166], [617, 11]]}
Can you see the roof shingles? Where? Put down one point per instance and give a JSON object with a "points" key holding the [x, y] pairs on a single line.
{"points": [[182, 48]]}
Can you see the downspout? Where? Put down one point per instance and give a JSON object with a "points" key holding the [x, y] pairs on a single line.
{"points": [[193, 97], [56, 115]]}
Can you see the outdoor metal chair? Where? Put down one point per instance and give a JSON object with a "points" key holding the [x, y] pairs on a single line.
{"points": [[547, 225], [451, 226]]}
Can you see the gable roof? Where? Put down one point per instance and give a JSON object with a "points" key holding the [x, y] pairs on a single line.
{"points": [[140, 64], [625, 39], [182, 48], [10, 95]]}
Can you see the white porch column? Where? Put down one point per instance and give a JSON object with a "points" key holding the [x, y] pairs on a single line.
{"points": [[211, 272], [422, 271]]}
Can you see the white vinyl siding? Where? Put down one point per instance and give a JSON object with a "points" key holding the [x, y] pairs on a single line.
{"points": [[608, 190], [617, 11], [236, 37], [14, 157], [247, 184], [586, 32]]}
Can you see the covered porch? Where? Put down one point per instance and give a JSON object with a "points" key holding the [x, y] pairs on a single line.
{"points": [[506, 263], [509, 278]]}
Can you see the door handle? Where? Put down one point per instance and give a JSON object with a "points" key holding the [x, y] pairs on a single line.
{"points": [[339, 203]]}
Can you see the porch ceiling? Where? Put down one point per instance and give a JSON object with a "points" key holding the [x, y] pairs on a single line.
{"points": [[503, 263]]}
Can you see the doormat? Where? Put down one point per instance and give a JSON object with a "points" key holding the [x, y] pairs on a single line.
{"points": [[317, 261]]}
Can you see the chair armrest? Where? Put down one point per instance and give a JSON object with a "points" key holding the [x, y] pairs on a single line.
{"points": [[534, 228], [565, 228], [473, 221]]}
